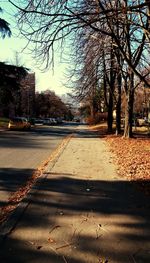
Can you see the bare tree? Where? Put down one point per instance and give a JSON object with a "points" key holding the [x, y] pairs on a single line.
{"points": [[87, 56], [49, 23], [45, 23]]}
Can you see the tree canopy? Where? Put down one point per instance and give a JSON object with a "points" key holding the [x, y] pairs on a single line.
{"points": [[46, 23], [110, 41], [10, 81], [48, 104], [4, 27]]}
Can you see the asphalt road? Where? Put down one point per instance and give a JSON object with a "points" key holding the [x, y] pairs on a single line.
{"points": [[22, 152]]}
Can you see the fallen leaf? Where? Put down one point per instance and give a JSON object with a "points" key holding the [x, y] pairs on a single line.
{"points": [[132, 159], [39, 247], [51, 240]]}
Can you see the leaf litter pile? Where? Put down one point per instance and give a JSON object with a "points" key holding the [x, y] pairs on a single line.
{"points": [[133, 159]]}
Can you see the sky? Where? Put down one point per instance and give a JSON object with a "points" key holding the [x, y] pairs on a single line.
{"points": [[51, 79]]}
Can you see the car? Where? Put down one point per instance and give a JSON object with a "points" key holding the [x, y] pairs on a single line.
{"points": [[59, 120], [47, 121], [76, 119], [31, 120], [141, 122], [50, 121], [53, 121], [38, 121], [19, 123]]}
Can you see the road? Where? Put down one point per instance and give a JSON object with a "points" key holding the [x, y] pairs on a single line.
{"points": [[22, 152]]}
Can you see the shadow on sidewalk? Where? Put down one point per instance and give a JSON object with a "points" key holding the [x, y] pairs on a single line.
{"points": [[87, 214]]}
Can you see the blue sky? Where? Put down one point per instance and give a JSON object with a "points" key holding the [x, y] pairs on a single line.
{"points": [[9, 46]]}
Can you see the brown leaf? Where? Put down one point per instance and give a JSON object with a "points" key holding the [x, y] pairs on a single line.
{"points": [[39, 247]]}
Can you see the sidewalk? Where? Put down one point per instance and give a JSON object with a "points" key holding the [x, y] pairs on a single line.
{"points": [[81, 212]]}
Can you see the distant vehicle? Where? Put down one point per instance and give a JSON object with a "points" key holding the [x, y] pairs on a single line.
{"points": [[31, 120], [141, 122], [53, 121], [47, 121], [76, 119], [38, 121], [19, 123], [59, 120]]}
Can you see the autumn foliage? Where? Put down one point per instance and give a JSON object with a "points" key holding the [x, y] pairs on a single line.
{"points": [[132, 156], [133, 159]]}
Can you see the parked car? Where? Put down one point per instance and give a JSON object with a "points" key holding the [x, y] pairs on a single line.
{"points": [[19, 123], [59, 120], [142, 121], [32, 121], [38, 121], [47, 121], [50, 121], [53, 121]]}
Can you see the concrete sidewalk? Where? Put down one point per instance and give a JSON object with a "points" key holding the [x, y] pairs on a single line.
{"points": [[81, 212]]}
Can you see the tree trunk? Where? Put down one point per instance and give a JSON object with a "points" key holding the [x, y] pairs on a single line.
{"points": [[118, 106], [92, 110], [129, 107], [111, 92], [110, 113]]}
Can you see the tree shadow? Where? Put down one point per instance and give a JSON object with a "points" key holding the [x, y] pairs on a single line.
{"points": [[37, 137], [68, 219], [11, 179], [30, 139]]}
